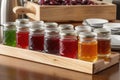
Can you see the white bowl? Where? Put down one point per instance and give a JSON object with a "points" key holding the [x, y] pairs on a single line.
{"points": [[95, 22], [110, 26]]}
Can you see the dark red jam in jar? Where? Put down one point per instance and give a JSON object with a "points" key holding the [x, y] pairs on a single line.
{"points": [[51, 41], [104, 42], [36, 36], [68, 44]]}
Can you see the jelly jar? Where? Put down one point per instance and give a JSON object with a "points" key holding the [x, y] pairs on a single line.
{"points": [[36, 36], [68, 44], [104, 42], [87, 46], [51, 41], [9, 34], [22, 34]]}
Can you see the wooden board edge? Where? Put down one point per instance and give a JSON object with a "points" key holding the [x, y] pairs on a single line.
{"points": [[101, 65], [48, 59]]}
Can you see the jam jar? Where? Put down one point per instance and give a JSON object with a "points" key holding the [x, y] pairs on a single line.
{"points": [[51, 41], [104, 42], [88, 46], [22, 34], [36, 36], [9, 34], [68, 44]]}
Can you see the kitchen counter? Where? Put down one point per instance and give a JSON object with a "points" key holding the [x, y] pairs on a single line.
{"points": [[18, 69]]}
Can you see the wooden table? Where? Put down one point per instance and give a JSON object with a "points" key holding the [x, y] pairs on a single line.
{"points": [[18, 69]]}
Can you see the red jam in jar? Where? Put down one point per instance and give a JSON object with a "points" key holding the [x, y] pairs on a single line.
{"points": [[68, 44], [22, 34], [22, 39]]}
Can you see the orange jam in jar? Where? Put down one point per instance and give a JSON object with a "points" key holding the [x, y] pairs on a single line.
{"points": [[87, 46]]}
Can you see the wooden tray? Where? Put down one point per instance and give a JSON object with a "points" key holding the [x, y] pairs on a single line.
{"points": [[58, 61], [67, 13]]}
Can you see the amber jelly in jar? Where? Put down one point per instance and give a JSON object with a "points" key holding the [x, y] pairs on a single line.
{"points": [[88, 46], [104, 42]]}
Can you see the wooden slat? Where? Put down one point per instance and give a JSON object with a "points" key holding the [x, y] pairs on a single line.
{"points": [[72, 12]]}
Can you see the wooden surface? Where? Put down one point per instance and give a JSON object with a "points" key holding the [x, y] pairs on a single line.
{"points": [[17, 69], [58, 61], [67, 13]]}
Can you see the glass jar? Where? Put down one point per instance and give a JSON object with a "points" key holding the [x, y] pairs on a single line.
{"points": [[68, 44], [36, 36], [9, 34], [87, 46], [65, 27], [51, 41], [104, 42], [22, 34]]}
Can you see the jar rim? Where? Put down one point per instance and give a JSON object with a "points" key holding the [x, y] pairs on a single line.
{"points": [[87, 34], [68, 33]]}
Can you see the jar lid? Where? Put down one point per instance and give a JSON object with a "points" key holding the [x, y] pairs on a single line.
{"points": [[101, 31], [42, 22], [68, 33], [82, 28], [36, 26], [51, 25], [52, 31], [9, 25], [22, 21], [87, 35], [66, 27]]}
